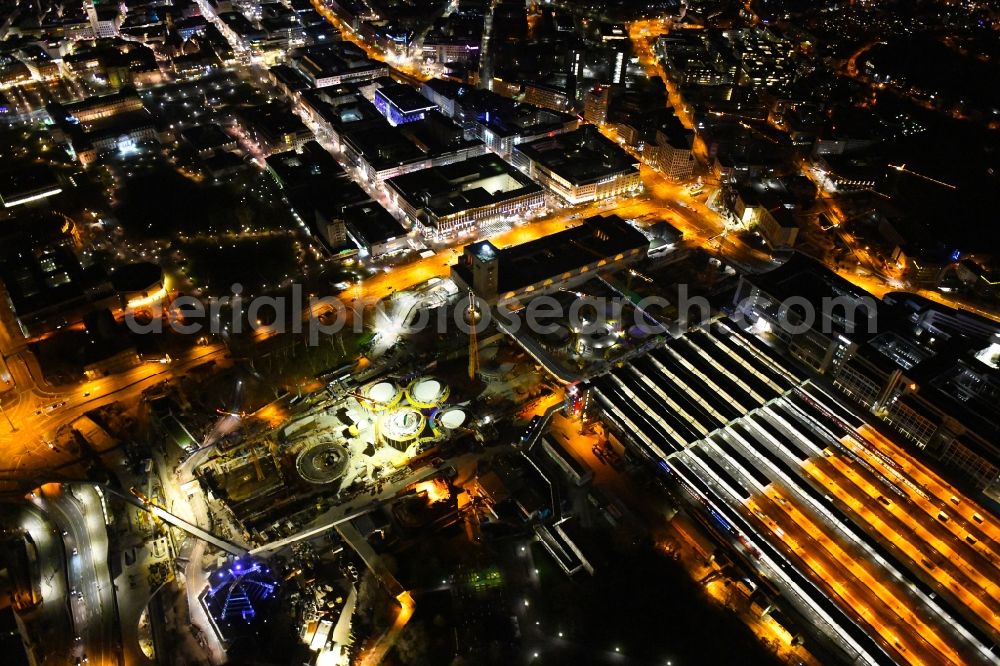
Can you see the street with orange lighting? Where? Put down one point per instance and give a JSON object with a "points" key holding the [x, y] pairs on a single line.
{"points": [[453, 496]]}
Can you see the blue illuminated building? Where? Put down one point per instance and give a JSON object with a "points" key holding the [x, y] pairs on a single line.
{"points": [[401, 104], [240, 593]]}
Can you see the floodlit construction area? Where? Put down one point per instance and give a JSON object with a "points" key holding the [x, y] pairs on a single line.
{"points": [[857, 538], [368, 433]]}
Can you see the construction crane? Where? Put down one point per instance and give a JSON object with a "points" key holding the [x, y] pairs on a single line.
{"points": [[256, 463], [902, 169], [473, 339], [138, 498]]}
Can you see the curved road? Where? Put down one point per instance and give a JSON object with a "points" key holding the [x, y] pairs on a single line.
{"points": [[77, 510], [48, 624]]}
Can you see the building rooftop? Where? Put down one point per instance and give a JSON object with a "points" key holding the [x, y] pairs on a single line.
{"points": [[289, 77], [136, 277], [405, 98], [503, 116], [239, 24], [337, 59], [581, 157], [331, 201], [784, 218], [610, 32], [436, 134], [112, 127], [372, 224], [383, 146], [523, 265], [223, 163], [40, 269], [206, 137], [802, 277], [454, 188], [343, 107], [674, 133], [125, 95], [27, 183], [273, 118], [313, 166]]}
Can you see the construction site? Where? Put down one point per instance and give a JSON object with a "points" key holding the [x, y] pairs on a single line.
{"points": [[352, 442]]}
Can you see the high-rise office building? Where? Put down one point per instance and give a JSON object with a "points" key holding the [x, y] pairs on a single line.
{"points": [[595, 104]]}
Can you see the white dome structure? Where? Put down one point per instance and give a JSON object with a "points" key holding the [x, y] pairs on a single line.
{"points": [[426, 393], [452, 418], [381, 396]]}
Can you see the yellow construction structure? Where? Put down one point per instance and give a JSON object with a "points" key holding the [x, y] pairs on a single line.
{"points": [[473, 340]]}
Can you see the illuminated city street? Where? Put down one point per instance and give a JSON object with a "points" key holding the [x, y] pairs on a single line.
{"points": [[360, 333]]}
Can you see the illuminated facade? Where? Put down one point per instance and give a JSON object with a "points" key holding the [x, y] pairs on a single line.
{"points": [[580, 166], [452, 198]]}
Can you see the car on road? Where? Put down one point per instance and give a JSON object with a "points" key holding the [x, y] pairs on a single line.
{"points": [[532, 429]]}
